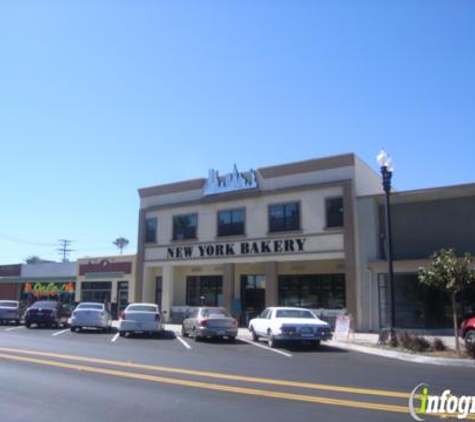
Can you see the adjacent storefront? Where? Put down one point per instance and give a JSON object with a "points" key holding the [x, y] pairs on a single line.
{"points": [[109, 280]]}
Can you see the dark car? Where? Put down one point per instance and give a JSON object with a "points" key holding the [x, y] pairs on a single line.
{"points": [[48, 313], [10, 311]]}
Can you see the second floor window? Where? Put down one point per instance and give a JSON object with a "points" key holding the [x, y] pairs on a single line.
{"points": [[284, 217], [231, 222], [151, 230], [184, 226], [334, 212]]}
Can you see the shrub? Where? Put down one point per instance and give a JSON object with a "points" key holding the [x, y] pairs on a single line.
{"points": [[438, 345], [471, 350], [393, 340], [420, 344], [413, 342]]}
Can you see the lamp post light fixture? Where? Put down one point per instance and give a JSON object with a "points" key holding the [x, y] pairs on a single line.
{"points": [[385, 162]]}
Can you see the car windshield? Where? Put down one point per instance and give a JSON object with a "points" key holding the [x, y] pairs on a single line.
{"points": [[45, 304], [90, 306], [294, 313], [8, 304], [217, 311], [142, 308]]}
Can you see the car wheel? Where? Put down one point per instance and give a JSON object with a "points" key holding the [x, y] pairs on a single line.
{"points": [[73, 329], [470, 339], [317, 343], [27, 325], [122, 333], [196, 337], [183, 331], [255, 337], [232, 339], [271, 341]]}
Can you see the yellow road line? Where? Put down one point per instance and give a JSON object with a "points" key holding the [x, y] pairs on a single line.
{"points": [[215, 387], [266, 381]]}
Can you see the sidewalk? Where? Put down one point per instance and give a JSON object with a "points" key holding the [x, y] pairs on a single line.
{"points": [[372, 339], [367, 343]]}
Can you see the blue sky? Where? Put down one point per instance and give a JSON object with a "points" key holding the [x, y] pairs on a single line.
{"points": [[99, 98]]}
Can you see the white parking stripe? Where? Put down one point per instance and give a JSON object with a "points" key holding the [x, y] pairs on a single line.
{"points": [[265, 347], [58, 333], [183, 342], [14, 328], [115, 337]]}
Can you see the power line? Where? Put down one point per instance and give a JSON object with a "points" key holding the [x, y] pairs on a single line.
{"points": [[28, 242]]}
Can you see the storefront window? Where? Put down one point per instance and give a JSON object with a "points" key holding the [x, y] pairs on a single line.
{"points": [[416, 305], [204, 290], [97, 291], [312, 291]]}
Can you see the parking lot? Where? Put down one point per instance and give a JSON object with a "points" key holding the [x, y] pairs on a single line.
{"points": [[243, 375], [170, 340]]}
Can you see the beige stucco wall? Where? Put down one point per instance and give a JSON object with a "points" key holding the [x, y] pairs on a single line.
{"points": [[313, 221]]}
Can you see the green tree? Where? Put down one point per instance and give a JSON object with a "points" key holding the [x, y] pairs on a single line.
{"points": [[35, 259], [121, 243], [451, 275]]}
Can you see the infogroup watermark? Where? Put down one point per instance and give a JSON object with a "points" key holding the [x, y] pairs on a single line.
{"points": [[445, 404]]}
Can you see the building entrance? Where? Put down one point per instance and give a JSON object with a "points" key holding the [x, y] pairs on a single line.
{"points": [[253, 296]]}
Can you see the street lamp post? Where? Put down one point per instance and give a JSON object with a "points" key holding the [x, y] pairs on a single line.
{"points": [[385, 162]]}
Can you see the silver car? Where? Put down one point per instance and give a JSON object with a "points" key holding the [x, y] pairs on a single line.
{"points": [[91, 315], [140, 318], [10, 311], [210, 322]]}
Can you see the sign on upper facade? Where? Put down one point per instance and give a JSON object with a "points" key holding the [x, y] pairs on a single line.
{"points": [[213, 250], [230, 182]]}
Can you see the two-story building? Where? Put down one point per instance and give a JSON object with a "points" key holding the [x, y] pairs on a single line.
{"points": [[280, 235]]}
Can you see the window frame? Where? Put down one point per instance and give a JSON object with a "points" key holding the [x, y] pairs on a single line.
{"points": [[174, 237], [243, 209], [146, 231], [284, 204], [327, 201]]}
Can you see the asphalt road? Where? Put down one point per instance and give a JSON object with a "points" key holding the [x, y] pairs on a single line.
{"points": [[55, 375]]}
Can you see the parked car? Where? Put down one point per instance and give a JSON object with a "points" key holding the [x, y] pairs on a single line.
{"points": [[467, 331], [291, 324], [10, 311], [91, 315], [49, 313], [140, 318], [210, 322]]}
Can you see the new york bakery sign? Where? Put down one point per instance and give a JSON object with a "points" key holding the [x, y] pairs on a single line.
{"points": [[216, 250]]}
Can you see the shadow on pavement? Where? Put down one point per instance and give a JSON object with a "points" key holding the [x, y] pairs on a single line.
{"points": [[309, 348], [164, 335]]}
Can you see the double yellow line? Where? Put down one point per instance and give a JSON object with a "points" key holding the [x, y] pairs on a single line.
{"points": [[36, 357]]}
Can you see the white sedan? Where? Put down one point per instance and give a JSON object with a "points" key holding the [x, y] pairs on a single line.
{"points": [[140, 318], [91, 315], [290, 324]]}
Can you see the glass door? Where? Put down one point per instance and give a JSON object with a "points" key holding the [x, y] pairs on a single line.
{"points": [[253, 296]]}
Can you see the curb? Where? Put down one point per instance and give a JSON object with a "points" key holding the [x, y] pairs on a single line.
{"points": [[407, 357]]}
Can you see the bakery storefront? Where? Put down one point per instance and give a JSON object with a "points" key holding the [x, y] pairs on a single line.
{"points": [[251, 240], [109, 280]]}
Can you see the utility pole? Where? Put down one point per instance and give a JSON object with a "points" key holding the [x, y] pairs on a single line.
{"points": [[64, 249]]}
